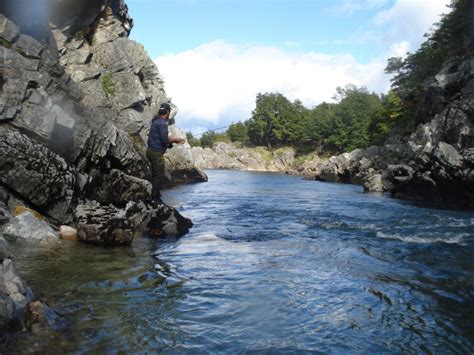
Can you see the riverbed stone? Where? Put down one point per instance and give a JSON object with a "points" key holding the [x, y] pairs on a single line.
{"points": [[68, 233]]}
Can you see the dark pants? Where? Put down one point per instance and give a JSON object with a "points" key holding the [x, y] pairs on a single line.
{"points": [[157, 161]]}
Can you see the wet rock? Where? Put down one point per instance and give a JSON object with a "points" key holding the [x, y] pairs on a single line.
{"points": [[68, 233], [165, 221], [376, 183], [103, 225], [109, 226], [28, 227], [41, 318]]}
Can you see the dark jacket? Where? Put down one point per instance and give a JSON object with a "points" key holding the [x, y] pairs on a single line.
{"points": [[158, 136]]}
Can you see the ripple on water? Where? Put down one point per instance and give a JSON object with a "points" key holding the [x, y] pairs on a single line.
{"points": [[273, 264]]}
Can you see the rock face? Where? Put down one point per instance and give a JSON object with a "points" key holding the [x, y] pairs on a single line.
{"points": [[228, 156], [436, 162], [76, 99]]}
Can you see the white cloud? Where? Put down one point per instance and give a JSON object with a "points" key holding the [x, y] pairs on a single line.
{"points": [[345, 7], [408, 20], [217, 82]]}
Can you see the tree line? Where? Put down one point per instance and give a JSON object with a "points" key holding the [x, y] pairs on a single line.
{"points": [[357, 118]]}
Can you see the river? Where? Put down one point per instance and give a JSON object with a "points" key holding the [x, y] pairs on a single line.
{"points": [[273, 264]]}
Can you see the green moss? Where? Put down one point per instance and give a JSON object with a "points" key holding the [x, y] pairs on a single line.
{"points": [[108, 85]]}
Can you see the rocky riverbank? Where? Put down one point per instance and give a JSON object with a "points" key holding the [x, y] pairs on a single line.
{"points": [[229, 156], [77, 96], [436, 162]]}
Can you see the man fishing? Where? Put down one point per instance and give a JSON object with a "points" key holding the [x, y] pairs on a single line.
{"points": [[158, 143]]}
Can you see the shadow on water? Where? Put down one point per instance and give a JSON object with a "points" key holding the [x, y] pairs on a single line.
{"points": [[273, 264]]}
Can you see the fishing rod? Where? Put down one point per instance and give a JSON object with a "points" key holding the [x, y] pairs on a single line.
{"points": [[210, 130]]}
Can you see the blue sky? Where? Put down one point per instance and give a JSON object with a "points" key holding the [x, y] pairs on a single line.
{"points": [[216, 55]]}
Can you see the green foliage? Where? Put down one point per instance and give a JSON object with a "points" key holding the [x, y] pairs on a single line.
{"points": [[275, 121], [221, 137], [337, 127], [388, 117], [349, 128], [108, 85], [452, 36], [237, 132], [209, 138], [193, 142]]}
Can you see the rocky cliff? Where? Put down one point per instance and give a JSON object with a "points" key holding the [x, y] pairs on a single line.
{"points": [[76, 99], [436, 162]]}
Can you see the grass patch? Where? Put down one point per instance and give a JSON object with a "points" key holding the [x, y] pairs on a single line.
{"points": [[108, 86]]}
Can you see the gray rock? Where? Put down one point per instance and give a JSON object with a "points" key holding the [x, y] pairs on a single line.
{"points": [[103, 225], [27, 226], [14, 60], [119, 188], [165, 221], [377, 183], [77, 57], [28, 46], [87, 72], [8, 30], [22, 168], [127, 90], [447, 155], [4, 253]]}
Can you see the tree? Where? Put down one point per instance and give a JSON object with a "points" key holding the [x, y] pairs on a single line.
{"points": [[352, 117], [193, 142], [237, 132], [208, 139], [275, 121], [452, 36]]}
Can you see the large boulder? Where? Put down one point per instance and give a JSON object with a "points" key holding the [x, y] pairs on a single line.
{"points": [[27, 226], [107, 225]]}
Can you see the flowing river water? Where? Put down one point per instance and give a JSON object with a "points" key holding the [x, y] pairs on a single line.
{"points": [[273, 264]]}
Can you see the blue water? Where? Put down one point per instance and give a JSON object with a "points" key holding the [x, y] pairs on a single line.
{"points": [[273, 264]]}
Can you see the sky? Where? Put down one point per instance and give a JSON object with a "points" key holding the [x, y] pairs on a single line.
{"points": [[215, 56]]}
